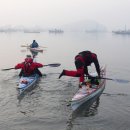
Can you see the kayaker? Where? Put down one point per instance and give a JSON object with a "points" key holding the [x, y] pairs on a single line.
{"points": [[34, 44], [28, 67], [82, 61]]}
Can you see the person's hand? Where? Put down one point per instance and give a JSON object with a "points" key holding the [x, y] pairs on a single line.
{"points": [[98, 77], [89, 76]]}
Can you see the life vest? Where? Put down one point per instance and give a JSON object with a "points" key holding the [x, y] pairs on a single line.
{"points": [[28, 68]]}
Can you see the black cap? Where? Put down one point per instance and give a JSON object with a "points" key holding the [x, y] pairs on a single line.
{"points": [[28, 56]]}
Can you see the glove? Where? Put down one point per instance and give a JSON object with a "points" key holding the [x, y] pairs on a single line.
{"points": [[98, 77], [89, 77]]}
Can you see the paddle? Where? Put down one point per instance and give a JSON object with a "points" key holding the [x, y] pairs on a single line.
{"points": [[117, 80], [8, 69], [51, 65], [29, 46]]}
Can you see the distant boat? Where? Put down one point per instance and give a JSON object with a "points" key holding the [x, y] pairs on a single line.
{"points": [[56, 31], [122, 31], [31, 32]]}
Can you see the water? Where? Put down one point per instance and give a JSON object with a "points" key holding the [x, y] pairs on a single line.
{"points": [[47, 106]]}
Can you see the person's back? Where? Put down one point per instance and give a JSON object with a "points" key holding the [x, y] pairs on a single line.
{"points": [[88, 57], [34, 44]]}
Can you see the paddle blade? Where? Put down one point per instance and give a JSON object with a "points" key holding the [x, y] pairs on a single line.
{"points": [[117, 80], [24, 46], [122, 80], [8, 69], [53, 65]]}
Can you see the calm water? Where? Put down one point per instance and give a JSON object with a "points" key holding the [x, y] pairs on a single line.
{"points": [[47, 106]]}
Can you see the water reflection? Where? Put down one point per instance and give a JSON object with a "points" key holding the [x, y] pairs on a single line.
{"points": [[86, 110], [34, 53], [42, 105]]}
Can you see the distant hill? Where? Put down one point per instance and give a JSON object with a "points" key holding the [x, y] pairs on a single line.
{"points": [[88, 26], [84, 26], [21, 28]]}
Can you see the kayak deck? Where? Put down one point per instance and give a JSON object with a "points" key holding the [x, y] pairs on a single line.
{"points": [[26, 84], [36, 49]]}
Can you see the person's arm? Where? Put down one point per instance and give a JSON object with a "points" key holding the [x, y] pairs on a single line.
{"points": [[39, 65], [97, 66], [86, 71], [37, 44], [19, 66]]}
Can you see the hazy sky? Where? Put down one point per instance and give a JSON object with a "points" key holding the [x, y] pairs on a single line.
{"points": [[111, 13]]}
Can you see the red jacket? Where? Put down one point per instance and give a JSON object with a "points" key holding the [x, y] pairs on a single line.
{"points": [[86, 58], [28, 68]]}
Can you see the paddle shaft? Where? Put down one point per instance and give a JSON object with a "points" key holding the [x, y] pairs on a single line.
{"points": [[8, 69], [51, 65], [29, 46], [117, 80]]}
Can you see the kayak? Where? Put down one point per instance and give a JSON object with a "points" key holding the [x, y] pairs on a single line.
{"points": [[26, 84], [35, 49], [89, 90]]}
